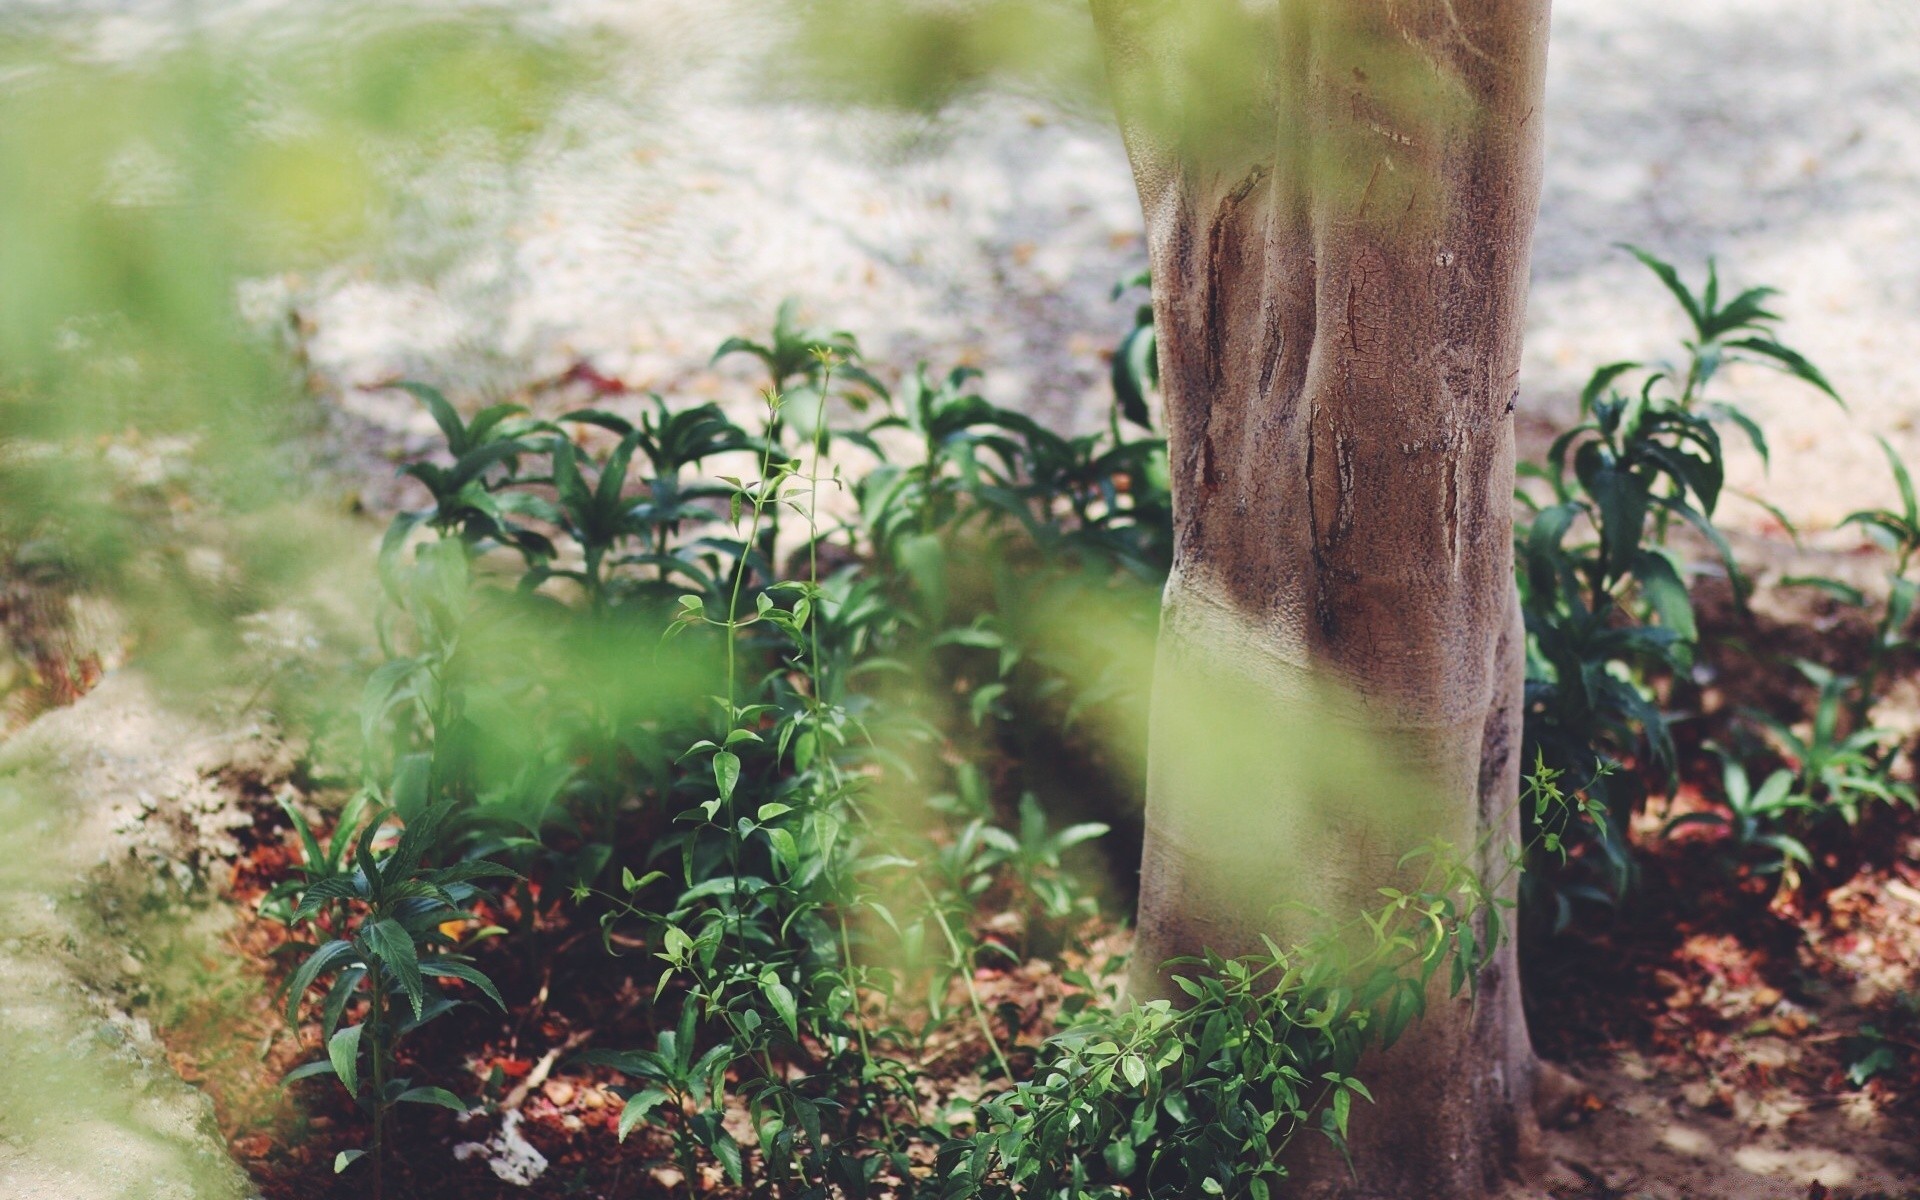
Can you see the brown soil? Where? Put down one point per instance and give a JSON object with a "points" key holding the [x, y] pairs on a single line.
{"points": [[1713, 1021], [1715, 1017]]}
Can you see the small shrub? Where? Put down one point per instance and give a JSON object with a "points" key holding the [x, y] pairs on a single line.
{"points": [[1606, 598]]}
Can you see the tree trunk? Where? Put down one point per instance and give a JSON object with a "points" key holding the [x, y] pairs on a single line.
{"points": [[1340, 197]]}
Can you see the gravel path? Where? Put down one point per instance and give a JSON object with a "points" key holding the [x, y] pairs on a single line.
{"points": [[1782, 137], [671, 205]]}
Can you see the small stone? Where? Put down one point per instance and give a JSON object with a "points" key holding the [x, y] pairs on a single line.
{"points": [[668, 1178], [253, 1146], [560, 1092]]}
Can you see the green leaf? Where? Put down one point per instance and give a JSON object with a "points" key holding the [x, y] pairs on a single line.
{"points": [[1748, 426], [484, 422], [472, 869], [1908, 505], [1791, 361], [739, 345], [335, 887], [472, 465], [432, 1095], [343, 1052], [389, 941], [1073, 835], [1342, 1106], [379, 693], [1747, 310], [1787, 846], [638, 1106], [345, 984], [726, 772], [1671, 278], [1844, 592], [1719, 542], [924, 558], [1136, 368], [314, 858], [728, 1152], [1661, 584], [449, 969], [781, 998], [345, 1159], [410, 780], [634, 883], [613, 477], [567, 480], [604, 419], [331, 954], [1120, 1157], [980, 704], [1602, 379], [443, 413], [308, 1071], [786, 850], [1621, 498]]}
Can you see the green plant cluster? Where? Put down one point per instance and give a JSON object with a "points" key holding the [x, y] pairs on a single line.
{"points": [[1606, 594], [710, 670], [1204, 1097], [734, 697], [753, 692]]}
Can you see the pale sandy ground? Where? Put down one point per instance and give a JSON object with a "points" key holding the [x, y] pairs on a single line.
{"points": [[676, 207], [1779, 136]]}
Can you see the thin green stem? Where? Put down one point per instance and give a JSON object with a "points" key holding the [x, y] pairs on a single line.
{"points": [[377, 1026], [964, 962], [758, 497]]}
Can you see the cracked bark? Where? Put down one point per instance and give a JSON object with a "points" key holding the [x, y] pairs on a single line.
{"points": [[1340, 248]]}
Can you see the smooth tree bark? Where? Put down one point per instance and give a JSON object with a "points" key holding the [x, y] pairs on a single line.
{"points": [[1340, 197]]}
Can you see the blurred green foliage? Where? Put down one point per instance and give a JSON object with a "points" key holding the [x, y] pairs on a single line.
{"points": [[143, 418]]}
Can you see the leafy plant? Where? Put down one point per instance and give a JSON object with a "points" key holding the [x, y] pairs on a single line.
{"points": [[1204, 1097], [1843, 753], [1756, 817], [1873, 1052], [1605, 596], [468, 499], [1034, 852], [1840, 769], [685, 1090], [1136, 362], [381, 913], [1741, 330], [606, 655]]}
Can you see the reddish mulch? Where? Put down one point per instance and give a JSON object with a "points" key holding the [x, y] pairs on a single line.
{"points": [[565, 994], [1760, 995]]}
